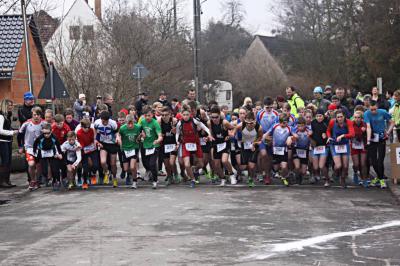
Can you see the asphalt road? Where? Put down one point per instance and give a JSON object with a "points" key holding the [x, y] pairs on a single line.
{"points": [[206, 225]]}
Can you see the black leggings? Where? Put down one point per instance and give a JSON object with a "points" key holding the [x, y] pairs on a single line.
{"points": [[87, 170], [54, 167], [150, 163], [376, 156]]}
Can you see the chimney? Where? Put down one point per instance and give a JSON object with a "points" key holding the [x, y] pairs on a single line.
{"points": [[97, 8]]}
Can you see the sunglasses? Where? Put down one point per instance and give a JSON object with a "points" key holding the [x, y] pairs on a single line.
{"points": [[214, 117], [46, 133]]}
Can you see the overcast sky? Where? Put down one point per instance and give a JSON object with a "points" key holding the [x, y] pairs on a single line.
{"points": [[259, 17]]}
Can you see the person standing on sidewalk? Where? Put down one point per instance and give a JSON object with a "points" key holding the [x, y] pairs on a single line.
{"points": [[6, 137], [377, 135]]}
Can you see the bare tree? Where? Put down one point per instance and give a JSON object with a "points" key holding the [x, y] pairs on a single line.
{"points": [[233, 12]]}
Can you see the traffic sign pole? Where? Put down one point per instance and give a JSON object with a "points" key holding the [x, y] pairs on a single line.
{"points": [[52, 87]]}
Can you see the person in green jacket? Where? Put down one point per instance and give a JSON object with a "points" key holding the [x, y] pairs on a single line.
{"points": [[294, 100]]}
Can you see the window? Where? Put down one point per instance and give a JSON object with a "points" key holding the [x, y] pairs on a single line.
{"points": [[74, 32], [228, 95], [88, 33]]}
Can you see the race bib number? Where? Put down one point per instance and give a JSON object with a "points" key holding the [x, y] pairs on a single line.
{"points": [[169, 148], [71, 156], [233, 146], [340, 149], [279, 150], [357, 145], [302, 154], [150, 151], [106, 138], [248, 145], [375, 137], [89, 148], [221, 147], [319, 150], [203, 142], [130, 153], [30, 151], [191, 146], [47, 154]]}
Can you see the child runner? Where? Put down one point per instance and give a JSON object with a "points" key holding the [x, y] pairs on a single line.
{"points": [[358, 149], [72, 158], [301, 139], [129, 138]]}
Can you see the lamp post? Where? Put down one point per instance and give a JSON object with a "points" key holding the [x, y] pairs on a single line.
{"points": [[27, 47]]}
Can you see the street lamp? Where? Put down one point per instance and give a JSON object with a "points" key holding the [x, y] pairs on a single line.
{"points": [[27, 48]]}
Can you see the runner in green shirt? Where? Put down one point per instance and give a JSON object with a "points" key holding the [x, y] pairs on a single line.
{"points": [[129, 136], [151, 144]]}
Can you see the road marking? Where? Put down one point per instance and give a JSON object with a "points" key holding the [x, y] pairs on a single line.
{"points": [[276, 249]]}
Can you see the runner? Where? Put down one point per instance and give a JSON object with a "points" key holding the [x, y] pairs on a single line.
{"points": [[340, 131], [129, 139], [358, 150], [301, 140], [72, 158], [188, 141]]}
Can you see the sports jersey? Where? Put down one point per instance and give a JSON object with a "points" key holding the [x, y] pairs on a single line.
{"points": [[267, 120], [152, 129], [29, 132], [377, 121], [106, 133], [60, 133], [334, 131], [86, 140], [72, 152], [129, 137], [302, 142], [279, 135]]}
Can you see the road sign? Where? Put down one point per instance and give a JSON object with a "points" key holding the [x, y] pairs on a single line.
{"points": [[53, 87], [140, 72]]}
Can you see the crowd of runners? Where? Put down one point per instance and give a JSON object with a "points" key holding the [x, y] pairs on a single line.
{"points": [[284, 138]]}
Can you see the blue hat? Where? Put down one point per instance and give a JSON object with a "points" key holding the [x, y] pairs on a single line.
{"points": [[28, 96], [318, 90]]}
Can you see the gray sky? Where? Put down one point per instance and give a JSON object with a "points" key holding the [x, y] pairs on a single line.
{"points": [[259, 17]]}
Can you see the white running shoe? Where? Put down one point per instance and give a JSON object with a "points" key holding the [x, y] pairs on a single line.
{"points": [[154, 185], [233, 179], [134, 185], [223, 182]]}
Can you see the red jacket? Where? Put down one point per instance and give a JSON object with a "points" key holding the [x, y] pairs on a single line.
{"points": [[60, 133], [359, 134], [85, 138]]}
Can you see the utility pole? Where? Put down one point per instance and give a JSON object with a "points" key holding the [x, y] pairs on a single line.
{"points": [[196, 51], [175, 19], [27, 47]]}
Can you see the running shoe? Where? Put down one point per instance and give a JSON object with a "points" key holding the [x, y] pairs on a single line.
{"points": [[192, 184], [267, 180], [139, 176], [375, 182], [85, 186], [128, 180], [56, 186], [223, 183], [161, 173], [299, 179], [168, 180], [250, 182], [80, 182], [32, 186], [260, 178], [383, 184], [122, 175], [365, 183], [106, 178], [70, 186], [178, 178], [115, 182], [209, 175], [64, 182], [233, 179], [134, 185], [285, 182], [327, 184], [355, 178], [154, 185], [93, 180]]}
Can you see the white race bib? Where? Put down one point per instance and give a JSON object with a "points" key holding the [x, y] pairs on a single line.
{"points": [[375, 138], [319, 150], [89, 149], [221, 147], [340, 149], [248, 145], [233, 146], [203, 142], [302, 154], [169, 148], [47, 154], [279, 150], [106, 138], [150, 151], [357, 145], [71, 156], [30, 151], [191, 146], [130, 153]]}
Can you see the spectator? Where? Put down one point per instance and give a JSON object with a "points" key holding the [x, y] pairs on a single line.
{"points": [[341, 94], [328, 92], [281, 101], [6, 137], [367, 101], [25, 111], [143, 101], [99, 100], [79, 106], [390, 98], [163, 99], [175, 106], [191, 97], [109, 100], [248, 104], [379, 99], [339, 106], [319, 101], [294, 101]]}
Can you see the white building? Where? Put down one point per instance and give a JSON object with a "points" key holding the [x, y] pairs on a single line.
{"points": [[77, 26]]}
